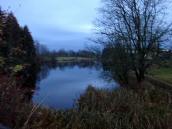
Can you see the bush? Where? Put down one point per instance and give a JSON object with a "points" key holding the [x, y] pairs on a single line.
{"points": [[17, 68], [2, 63], [116, 59], [147, 108]]}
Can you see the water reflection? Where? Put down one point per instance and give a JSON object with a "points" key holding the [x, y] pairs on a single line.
{"points": [[47, 67], [60, 84]]}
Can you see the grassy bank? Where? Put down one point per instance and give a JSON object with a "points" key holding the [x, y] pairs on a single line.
{"points": [[68, 59], [125, 108], [162, 73]]}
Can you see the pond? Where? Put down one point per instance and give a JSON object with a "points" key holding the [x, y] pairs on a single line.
{"points": [[60, 85]]}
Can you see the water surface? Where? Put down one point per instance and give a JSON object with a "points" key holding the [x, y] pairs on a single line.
{"points": [[62, 85]]}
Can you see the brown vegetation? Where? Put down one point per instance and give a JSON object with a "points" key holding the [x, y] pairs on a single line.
{"points": [[145, 108]]}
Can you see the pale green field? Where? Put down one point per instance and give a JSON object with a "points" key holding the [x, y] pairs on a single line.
{"points": [[164, 74], [66, 59]]}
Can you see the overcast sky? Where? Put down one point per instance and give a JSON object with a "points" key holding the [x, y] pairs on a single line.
{"points": [[57, 23]]}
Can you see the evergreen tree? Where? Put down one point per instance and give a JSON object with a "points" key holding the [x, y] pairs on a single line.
{"points": [[12, 33], [3, 45], [17, 49], [28, 45]]}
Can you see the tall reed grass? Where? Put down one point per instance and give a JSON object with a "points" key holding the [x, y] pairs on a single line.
{"points": [[126, 108]]}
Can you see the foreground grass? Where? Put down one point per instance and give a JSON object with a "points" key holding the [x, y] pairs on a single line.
{"points": [[125, 108], [162, 73]]}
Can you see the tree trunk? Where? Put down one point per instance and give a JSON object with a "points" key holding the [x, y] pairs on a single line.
{"points": [[141, 75]]}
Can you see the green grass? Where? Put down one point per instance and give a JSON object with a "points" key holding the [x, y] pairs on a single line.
{"points": [[67, 59], [164, 74]]}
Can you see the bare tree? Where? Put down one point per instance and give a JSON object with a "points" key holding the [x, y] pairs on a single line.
{"points": [[138, 25]]}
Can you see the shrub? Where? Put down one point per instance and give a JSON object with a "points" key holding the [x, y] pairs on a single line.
{"points": [[17, 69], [2, 63]]}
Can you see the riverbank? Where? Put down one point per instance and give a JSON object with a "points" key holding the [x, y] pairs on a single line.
{"points": [[72, 59], [146, 107]]}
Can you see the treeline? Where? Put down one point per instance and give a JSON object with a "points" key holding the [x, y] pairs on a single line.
{"points": [[17, 50], [115, 59], [71, 53], [43, 52]]}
